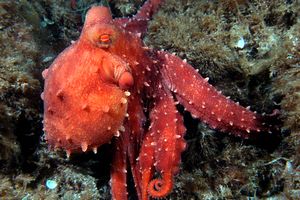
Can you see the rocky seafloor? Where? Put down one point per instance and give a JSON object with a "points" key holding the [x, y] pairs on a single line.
{"points": [[250, 51]]}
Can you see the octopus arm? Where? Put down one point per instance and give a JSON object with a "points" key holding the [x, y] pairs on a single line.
{"points": [[135, 122], [146, 164], [119, 168], [132, 25], [138, 24], [149, 8], [167, 129], [204, 101], [127, 146]]}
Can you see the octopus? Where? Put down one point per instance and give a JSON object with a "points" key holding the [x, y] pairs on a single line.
{"points": [[108, 86]]}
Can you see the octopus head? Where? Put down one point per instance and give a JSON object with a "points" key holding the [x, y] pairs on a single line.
{"points": [[98, 28], [100, 32]]}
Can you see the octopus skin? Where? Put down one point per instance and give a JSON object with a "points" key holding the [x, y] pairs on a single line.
{"points": [[107, 85]]}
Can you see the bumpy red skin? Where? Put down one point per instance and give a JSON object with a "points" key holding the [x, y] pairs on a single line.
{"points": [[104, 82]]}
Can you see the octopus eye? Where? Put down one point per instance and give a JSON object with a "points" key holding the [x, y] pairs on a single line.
{"points": [[105, 40]]}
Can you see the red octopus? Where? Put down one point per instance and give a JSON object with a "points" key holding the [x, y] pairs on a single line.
{"points": [[108, 84]]}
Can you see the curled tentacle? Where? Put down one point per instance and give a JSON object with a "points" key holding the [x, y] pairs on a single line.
{"points": [[161, 187], [168, 132]]}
